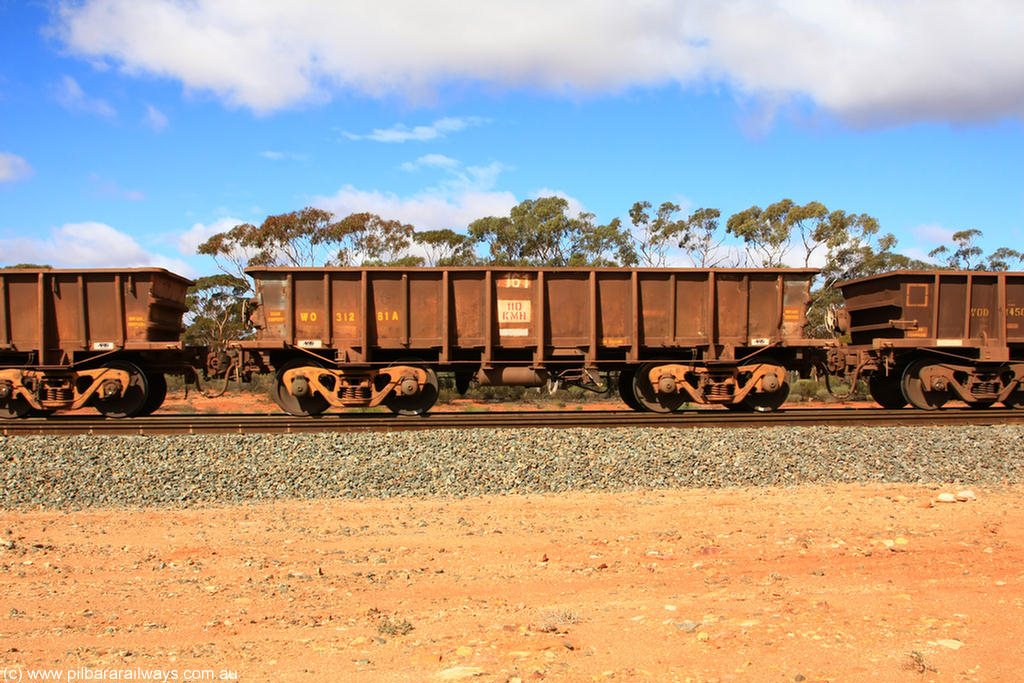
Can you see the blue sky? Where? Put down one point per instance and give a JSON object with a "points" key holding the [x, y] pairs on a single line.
{"points": [[131, 131]]}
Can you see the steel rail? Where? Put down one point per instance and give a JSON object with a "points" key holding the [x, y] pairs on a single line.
{"points": [[380, 422]]}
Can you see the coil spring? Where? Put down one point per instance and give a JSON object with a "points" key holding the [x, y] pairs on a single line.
{"points": [[985, 388], [720, 391], [355, 392], [58, 393]]}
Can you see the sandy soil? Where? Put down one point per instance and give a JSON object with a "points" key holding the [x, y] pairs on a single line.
{"points": [[846, 583]]}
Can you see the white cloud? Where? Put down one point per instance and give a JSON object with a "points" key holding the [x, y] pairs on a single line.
{"points": [[155, 119], [71, 96], [869, 61], [13, 168], [274, 155], [425, 211], [189, 241], [87, 245], [932, 233], [463, 194], [430, 161], [402, 133]]}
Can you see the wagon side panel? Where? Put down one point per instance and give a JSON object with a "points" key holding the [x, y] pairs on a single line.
{"points": [[1014, 311], [615, 310]]}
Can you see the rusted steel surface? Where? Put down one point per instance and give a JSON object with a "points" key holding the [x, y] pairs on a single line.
{"points": [[924, 337], [336, 336], [942, 309], [55, 316], [531, 314], [71, 338]]}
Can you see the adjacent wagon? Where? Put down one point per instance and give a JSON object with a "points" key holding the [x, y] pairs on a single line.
{"points": [[926, 337], [102, 338]]}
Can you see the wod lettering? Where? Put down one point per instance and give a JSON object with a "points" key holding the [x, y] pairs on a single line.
{"points": [[307, 316]]}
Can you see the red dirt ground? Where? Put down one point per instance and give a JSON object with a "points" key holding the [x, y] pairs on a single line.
{"points": [[811, 583]]}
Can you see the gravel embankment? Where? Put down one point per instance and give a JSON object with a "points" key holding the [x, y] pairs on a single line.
{"points": [[84, 471]]}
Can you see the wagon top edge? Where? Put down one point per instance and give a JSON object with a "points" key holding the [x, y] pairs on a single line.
{"points": [[97, 271], [932, 273], [525, 269]]}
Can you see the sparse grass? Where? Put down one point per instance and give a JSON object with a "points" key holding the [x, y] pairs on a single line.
{"points": [[394, 626], [917, 662], [556, 621]]}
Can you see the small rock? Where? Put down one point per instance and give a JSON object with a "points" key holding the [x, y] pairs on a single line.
{"points": [[945, 498], [964, 496], [688, 626], [950, 643]]}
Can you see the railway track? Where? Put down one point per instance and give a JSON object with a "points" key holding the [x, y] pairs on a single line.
{"points": [[287, 424]]}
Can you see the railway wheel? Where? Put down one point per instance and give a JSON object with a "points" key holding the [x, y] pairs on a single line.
{"points": [[129, 401], [886, 390], [916, 393], [762, 401], [418, 403], [157, 392], [1015, 399], [767, 401], [305, 405], [651, 399], [14, 407], [626, 378]]}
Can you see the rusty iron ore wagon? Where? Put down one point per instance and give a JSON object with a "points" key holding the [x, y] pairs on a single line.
{"points": [[925, 337], [102, 338], [347, 337]]}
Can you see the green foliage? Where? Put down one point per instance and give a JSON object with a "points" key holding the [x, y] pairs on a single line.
{"points": [[378, 241], [703, 244], [538, 232], [29, 266], [654, 235], [965, 254], [765, 231], [289, 239], [447, 248], [217, 312], [773, 232]]}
